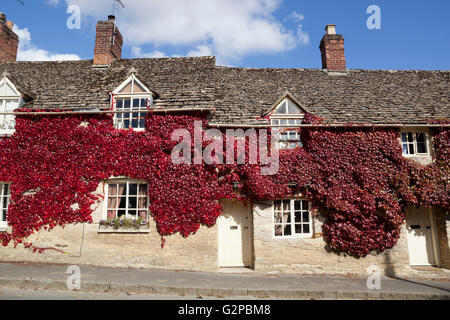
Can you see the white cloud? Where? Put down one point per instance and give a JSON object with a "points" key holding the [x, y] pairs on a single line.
{"points": [[232, 29], [200, 51], [29, 52], [302, 36], [137, 52]]}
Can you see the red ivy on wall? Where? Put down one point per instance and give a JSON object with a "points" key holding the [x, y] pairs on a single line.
{"points": [[357, 177]]}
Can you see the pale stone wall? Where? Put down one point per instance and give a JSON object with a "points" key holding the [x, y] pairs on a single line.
{"points": [[442, 222], [311, 256], [84, 245]]}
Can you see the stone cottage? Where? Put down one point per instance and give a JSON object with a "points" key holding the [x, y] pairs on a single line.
{"points": [[279, 236]]}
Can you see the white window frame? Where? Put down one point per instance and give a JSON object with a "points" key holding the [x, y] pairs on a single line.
{"points": [[298, 117], [414, 143], [3, 98], [117, 95], [293, 223], [4, 223], [128, 182]]}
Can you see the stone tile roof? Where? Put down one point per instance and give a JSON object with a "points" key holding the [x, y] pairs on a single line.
{"points": [[362, 96], [179, 82], [242, 96]]}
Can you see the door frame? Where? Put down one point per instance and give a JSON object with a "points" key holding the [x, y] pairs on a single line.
{"points": [[251, 257], [433, 238]]}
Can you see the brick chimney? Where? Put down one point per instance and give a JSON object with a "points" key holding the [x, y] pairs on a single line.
{"points": [[108, 43], [9, 41], [332, 49]]}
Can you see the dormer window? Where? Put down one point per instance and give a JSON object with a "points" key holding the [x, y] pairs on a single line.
{"points": [[131, 100], [288, 116], [10, 99]]}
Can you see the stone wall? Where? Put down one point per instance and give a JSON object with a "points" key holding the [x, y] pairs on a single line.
{"points": [[84, 245], [312, 256]]}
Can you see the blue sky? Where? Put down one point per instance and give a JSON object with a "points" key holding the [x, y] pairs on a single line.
{"points": [[244, 33]]}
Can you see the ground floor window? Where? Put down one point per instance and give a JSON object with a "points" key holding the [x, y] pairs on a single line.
{"points": [[292, 217], [4, 202], [127, 200]]}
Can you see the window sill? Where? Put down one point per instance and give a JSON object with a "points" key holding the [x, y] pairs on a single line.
{"points": [[296, 237], [108, 229], [6, 133]]}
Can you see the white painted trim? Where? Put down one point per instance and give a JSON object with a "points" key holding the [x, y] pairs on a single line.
{"points": [[434, 239], [427, 141], [294, 235], [119, 180], [132, 78], [2, 88]]}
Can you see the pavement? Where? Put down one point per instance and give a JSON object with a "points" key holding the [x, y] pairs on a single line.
{"points": [[221, 285]]}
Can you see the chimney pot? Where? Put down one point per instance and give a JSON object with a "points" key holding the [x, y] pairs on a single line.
{"points": [[10, 24], [111, 18], [2, 18], [330, 29]]}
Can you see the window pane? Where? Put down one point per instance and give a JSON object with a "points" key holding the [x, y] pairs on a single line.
{"points": [[305, 228], [142, 189], [127, 103], [121, 213], [298, 228], [297, 205], [411, 149], [122, 189], [9, 91], [286, 217], [410, 137], [11, 105], [405, 148], [422, 148], [278, 217], [133, 189], [119, 104], [420, 137], [305, 205], [142, 202], [287, 230], [305, 216], [404, 137], [132, 203], [298, 217], [143, 104], [112, 189], [278, 230], [286, 205], [292, 108], [122, 201], [277, 205], [136, 104], [282, 108]]}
